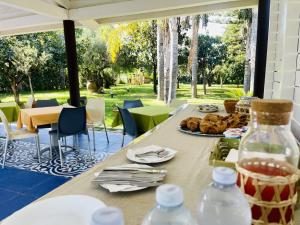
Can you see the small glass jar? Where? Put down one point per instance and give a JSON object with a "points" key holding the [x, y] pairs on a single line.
{"points": [[268, 162], [244, 104]]}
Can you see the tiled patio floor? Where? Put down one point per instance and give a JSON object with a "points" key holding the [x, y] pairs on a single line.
{"points": [[19, 187]]}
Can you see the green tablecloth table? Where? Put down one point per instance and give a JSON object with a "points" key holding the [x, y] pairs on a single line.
{"points": [[11, 110], [146, 117]]}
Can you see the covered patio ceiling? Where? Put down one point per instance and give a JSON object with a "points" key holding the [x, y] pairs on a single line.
{"points": [[27, 16]]}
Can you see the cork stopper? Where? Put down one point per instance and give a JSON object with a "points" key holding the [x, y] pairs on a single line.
{"points": [[272, 111]]}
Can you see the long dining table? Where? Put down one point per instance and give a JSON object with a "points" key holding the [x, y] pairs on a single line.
{"points": [[188, 169]]}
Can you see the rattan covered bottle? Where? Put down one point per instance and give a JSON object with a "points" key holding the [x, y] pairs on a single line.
{"points": [[268, 161]]}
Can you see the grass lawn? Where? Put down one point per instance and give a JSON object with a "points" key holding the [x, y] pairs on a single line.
{"points": [[215, 94]]}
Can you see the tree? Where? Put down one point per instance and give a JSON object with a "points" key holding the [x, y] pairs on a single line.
{"points": [[235, 60], [8, 70], [160, 60], [96, 64], [166, 59], [173, 24], [247, 18], [133, 46], [27, 57], [211, 53], [193, 56]]}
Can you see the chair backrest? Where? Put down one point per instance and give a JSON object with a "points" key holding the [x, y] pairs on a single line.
{"points": [[72, 121], [95, 109], [29, 102], [46, 103], [132, 104], [177, 103], [129, 124], [82, 101], [4, 120]]}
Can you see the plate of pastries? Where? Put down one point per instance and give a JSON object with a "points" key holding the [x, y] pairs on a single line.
{"points": [[212, 125]]}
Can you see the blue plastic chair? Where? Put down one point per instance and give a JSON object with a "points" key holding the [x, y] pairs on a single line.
{"points": [[82, 100], [129, 125], [71, 122], [45, 103], [132, 104]]}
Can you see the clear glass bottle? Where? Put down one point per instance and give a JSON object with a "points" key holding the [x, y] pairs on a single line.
{"points": [[269, 153]]}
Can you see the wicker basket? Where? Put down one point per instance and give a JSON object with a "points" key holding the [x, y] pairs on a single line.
{"points": [[230, 105], [272, 198], [221, 150]]}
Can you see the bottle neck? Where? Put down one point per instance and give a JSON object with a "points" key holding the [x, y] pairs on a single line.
{"points": [[222, 186], [267, 120], [161, 207]]}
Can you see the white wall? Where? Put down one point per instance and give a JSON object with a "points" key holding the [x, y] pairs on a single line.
{"points": [[283, 63]]}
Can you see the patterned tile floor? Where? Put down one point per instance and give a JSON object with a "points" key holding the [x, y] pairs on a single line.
{"points": [[24, 180], [20, 153]]}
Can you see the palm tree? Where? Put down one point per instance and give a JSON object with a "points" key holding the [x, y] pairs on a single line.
{"points": [[160, 60], [248, 17], [204, 20], [193, 55], [166, 59], [173, 26]]}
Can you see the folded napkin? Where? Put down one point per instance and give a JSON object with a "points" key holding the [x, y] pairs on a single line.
{"points": [[150, 148], [137, 154], [233, 156]]}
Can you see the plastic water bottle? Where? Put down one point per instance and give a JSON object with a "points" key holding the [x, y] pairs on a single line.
{"points": [[169, 209], [107, 216], [222, 203]]}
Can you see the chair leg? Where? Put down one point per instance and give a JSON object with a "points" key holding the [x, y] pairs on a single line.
{"points": [[106, 132], [123, 140], [74, 140], [60, 154], [94, 142], [88, 136], [5, 151], [50, 152], [37, 143], [65, 142]]}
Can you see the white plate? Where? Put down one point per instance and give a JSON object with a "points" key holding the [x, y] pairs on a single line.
{"points": [[207, 108], [62, 210], [131, 155], [123, 188]]}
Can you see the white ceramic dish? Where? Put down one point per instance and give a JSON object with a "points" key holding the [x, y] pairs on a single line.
{"points": [[62, 210], [131, 155]]}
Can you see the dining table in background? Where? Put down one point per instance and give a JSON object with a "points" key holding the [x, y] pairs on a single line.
{"points": [[11, 110], [33, 117], [146, 117]]}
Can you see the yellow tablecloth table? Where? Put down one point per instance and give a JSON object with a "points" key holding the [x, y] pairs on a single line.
{"points": [[11, 110], [34, 117]]}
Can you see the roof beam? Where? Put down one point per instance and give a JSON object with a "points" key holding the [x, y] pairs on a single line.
{"points": [[26, 21], [133, 7], [181, 12], [39, 7], [64, 3], [92, 24]]}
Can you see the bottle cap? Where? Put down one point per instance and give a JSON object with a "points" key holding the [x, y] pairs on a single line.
{"points": [[272, 105], [107, 216], [169, 195], [224, 175]]}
